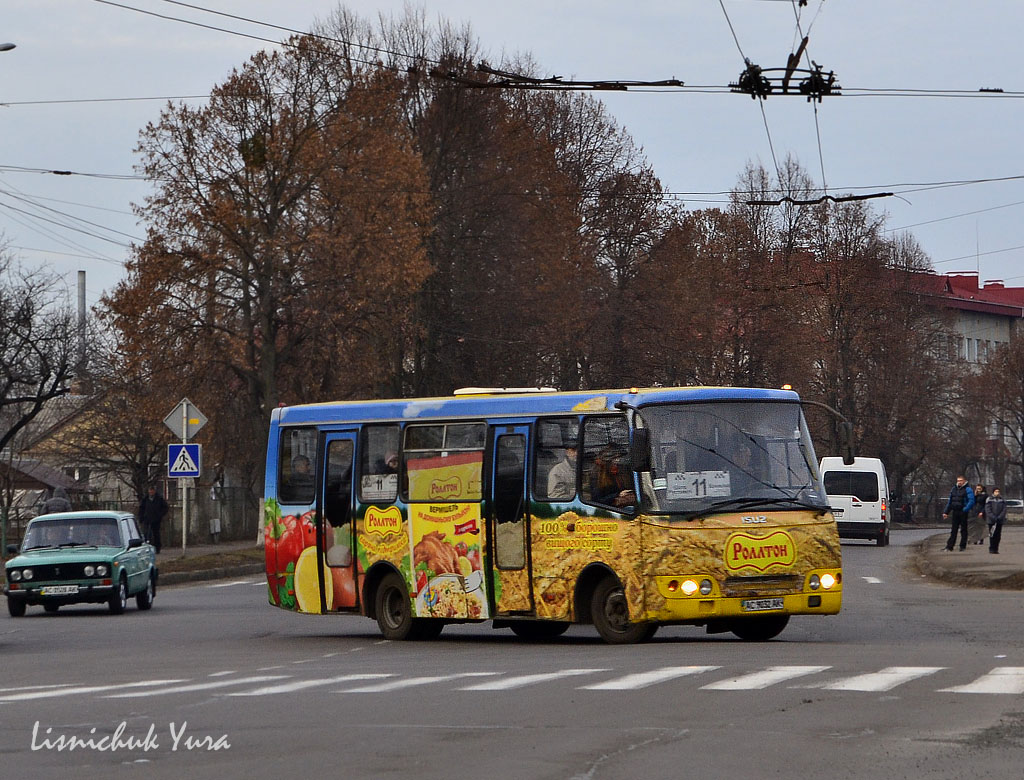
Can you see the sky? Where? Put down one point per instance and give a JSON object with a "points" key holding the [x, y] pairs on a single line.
{"points": [[86, 76]]}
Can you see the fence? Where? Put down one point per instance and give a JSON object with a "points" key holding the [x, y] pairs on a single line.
{"points": [[227, 514]]}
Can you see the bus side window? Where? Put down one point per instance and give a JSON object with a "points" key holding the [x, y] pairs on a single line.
{"points": [[555, 467], [338, 493], [378, 464], [607, 478], [296, 466]]}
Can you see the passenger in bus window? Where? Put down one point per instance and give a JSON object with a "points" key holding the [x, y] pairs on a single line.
{"points": [[302, 472], [562, 477], [611, 479]]}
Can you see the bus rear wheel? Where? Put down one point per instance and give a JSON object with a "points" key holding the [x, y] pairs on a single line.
{"points": [[610, 612], [760, 629], [393, 609], [538, 630]]}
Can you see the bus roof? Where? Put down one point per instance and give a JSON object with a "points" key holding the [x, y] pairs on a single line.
{"points": [[513, 404]]}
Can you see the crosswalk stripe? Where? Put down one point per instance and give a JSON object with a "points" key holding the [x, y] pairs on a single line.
{"points": [[1002, 679], [410, 682], [527, 679], [884, 680], [756, 680], [643, 679], [49, 694], [197, 686], [301, 685]]}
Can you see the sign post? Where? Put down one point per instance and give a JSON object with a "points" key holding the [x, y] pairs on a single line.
{"points": [[184, 461]]}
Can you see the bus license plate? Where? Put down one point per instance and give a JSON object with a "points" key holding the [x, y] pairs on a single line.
{"points": [[761, 605], [60, 590], [836, 511]]}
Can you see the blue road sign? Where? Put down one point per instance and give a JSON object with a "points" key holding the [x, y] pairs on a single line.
{"points": [[183, 460]]}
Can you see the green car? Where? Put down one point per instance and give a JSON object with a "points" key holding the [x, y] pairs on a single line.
{"points": [[81, 557]]}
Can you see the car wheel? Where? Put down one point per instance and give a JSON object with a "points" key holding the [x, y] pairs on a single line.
{"points": [[51, 608], [610, 613], [16, 607], [144, 599], [539, 630], [119, 598], [760, 629], [394, 611]]}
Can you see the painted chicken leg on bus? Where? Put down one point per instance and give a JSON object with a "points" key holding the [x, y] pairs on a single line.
{"points": [[625, 509]]}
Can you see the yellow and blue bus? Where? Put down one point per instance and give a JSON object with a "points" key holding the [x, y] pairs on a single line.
{"points": [[625, 509]]}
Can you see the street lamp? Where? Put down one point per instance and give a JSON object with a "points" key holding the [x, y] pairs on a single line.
{"points": [[6, 46]]}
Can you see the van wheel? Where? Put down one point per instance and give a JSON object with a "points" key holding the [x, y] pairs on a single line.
{"points": [[760, 629], [610, 613], [394, 611]]}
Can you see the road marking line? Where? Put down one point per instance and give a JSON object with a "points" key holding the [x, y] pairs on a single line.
{"points": [[197, 687], [301, 685], [884, 680], [644, 679], [229, 584], [221, 674], [528, 679], [757, 680], [34, 688], [872, 580], [410, 682], [1002, 679], [84, 689]]}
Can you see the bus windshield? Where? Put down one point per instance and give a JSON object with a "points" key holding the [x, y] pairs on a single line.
{"points": [[729, 457]]}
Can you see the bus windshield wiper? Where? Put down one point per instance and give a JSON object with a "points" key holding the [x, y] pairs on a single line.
{"points": [[747, 502]]}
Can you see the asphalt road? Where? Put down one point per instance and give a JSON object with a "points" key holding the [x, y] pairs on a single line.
{"points": [[911, 680]]}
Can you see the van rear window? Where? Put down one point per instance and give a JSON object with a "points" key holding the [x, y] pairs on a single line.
{"points": [[862, 484]]}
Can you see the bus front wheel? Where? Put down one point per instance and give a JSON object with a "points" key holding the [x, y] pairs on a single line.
{"points": [[610, 612], [760, 629], [394, 611]]}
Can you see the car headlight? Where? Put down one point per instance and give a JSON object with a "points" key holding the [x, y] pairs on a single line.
{"points": [[101, 570], [14, 575], [27, 574], [89, 570]]}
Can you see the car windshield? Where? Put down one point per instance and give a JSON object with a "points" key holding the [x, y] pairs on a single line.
{"points": [[726, 457], [71, 532]]}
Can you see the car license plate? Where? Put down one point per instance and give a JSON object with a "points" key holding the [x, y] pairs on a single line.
{"points": [[761, 605], [60, 590]]}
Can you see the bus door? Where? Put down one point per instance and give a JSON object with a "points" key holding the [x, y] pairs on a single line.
{"points": [[335, 534], [509, 520]]}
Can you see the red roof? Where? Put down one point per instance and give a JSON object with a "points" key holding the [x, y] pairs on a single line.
{"points": [[962, 291]]}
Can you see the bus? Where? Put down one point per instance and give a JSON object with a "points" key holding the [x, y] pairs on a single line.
{"points": [[533, 509]]}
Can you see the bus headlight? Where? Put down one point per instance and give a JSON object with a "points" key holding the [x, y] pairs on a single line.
{"points": [[827, 581], [705, 587], [815, 582], [689, 587]]}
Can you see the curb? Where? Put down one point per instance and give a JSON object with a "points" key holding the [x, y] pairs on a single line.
{"points": [[205, 575], [923, 564]]}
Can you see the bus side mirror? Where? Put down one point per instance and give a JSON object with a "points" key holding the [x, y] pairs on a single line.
{"points": [[640, 450], [846, 442]]}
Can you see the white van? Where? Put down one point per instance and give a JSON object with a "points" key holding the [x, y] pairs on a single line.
{"points": [[859, 497]]}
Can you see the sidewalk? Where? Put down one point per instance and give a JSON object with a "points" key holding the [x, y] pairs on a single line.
{"points": [[209, 562], [974, 567]]}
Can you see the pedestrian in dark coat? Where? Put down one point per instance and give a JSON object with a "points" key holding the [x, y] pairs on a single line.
{"points": [[152, 510], [58, 502], [977, 520], [995, 516], [958, 509]]}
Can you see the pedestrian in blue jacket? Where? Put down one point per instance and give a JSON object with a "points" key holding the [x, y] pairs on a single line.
{"points": [[958, 509]]}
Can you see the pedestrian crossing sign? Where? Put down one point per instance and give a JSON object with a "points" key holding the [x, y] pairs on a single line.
{"points": [[183, 460]]}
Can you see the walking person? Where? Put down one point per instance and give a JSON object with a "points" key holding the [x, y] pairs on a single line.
{"points": [[58, 502], [977, 520], [958, 510], [995, 516], [152, 510]]}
